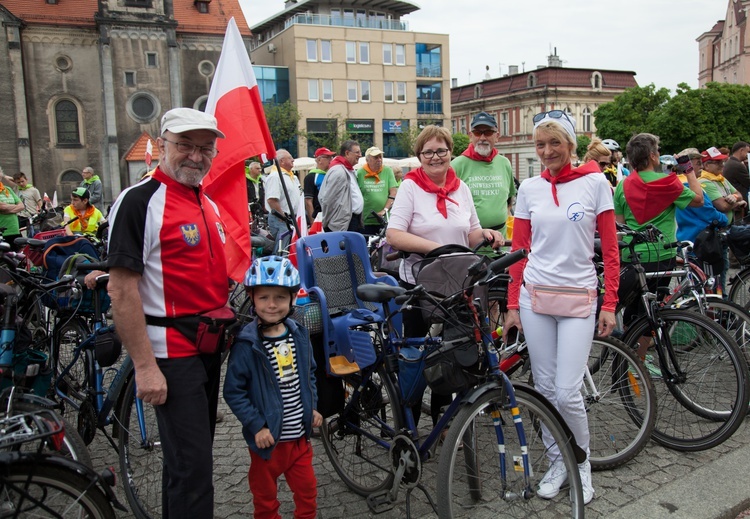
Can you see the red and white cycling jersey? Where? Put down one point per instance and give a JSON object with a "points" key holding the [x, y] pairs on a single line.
{"points": [[172, 235]]}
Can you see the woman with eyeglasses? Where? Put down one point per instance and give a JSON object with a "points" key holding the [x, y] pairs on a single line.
{"points": [[553, 295], [432, 208], [599, 153]]}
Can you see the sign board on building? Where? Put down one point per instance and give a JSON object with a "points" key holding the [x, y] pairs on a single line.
{"points": [[395, 125], [360, 125]]}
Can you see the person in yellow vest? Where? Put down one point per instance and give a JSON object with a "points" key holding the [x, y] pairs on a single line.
{"points": [[87, 217]]}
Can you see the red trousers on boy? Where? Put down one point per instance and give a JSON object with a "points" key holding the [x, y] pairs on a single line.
{"points": [[294, 460]]}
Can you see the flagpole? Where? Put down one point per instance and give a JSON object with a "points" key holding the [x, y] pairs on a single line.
{"points": [[286, 195]]}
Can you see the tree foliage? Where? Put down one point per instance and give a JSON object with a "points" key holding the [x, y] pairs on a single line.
{"points": [[629, 113], [283, 121], [406, 140], [583, 142], [460, 143]]}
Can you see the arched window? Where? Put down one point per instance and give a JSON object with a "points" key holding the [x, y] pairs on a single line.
{"points": [[596, 80], [531, 80], [586, 116], [477, 91], [66, 123], [71, 176]]}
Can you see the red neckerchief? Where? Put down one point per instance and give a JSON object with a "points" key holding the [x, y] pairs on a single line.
{"points": [[473, 155], [338, 159], [451, 184], [567, 174], [647, 200]]}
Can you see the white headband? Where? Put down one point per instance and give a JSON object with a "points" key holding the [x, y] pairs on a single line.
{"points": [[567, 123]]}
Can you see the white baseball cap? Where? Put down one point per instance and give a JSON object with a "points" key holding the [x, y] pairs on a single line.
{"points": [[181, 120]]}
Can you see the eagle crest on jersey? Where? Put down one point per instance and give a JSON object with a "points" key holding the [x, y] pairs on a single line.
{"points": [[190, 234]]}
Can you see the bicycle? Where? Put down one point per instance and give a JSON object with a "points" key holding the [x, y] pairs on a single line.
{"points": [[699, 365], [37, 484], [376, 449], [80, 384]]}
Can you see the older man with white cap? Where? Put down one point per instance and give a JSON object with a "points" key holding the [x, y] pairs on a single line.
{"points": [[378, 186], [167, 268]]}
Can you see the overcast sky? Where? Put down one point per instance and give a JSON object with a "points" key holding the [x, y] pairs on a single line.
{"points": [[653, 38]]}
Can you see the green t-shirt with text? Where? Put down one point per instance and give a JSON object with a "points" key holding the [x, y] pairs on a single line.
{"points": [[491, 185], [375, 194]]}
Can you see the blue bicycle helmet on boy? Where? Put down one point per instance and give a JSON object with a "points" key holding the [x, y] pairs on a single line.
{"points": [[273, 271]]}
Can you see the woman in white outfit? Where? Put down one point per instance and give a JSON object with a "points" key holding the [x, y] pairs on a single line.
{"points": [[553, 295]]}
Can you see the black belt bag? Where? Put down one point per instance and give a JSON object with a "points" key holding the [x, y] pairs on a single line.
{"points": [[206, 331]]}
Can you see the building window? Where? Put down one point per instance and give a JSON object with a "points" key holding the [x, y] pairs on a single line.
{"points": [[143, 107], [351, 52], [202, 5], [351, 91], [66, 123], [312, 90], [586, 116], [312, 50], [429, 60], [325, 51], [400, 91], [71, 176], [388, 91], [400, 54], [327, 90], [151, 60], [462, 124], [137, 3], [361, 18], [531, 80], [129, 78], [364, 90], [206, 68], [477, 91], [387, 54], [596, 80], [504, 123], [349, 17], [63, 63], [200, 103], [364, 52], [429, 98]]}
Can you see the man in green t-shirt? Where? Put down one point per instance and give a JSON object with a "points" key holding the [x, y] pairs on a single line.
{"points": [[649, 197], [723, 195], [378, 186], [10, 206], [487, 173]]}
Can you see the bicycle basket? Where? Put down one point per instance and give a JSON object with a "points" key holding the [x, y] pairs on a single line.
{"points": [[444, 276], [738, 239], [455, 366]]}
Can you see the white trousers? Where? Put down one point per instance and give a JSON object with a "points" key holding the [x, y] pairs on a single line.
{"points": [[559, 351]]}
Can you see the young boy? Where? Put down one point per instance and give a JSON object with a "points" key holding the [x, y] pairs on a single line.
{"points": [[270, 387]]}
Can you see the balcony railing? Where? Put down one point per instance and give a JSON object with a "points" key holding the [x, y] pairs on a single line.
{"points": [[369, 22], [429, 70], [429, 107]]}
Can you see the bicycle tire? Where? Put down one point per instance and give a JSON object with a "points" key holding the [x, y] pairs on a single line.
{"points": [[73, 446], [140, 461], [462, 493], [64, 492], [66, 338], [621, 407], [713, 398], [740, 291], [357, 440]]}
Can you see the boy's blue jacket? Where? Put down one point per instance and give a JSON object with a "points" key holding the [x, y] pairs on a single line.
{"points": [[251, 389]]}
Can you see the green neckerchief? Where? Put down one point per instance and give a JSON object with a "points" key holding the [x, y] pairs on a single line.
{"points": [[317, 171], [91, 180], [28, 186], [251, 179]]}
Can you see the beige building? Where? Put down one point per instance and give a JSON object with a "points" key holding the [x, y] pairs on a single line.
{"points": [[514, 99], [723, 55], [355, 67]]}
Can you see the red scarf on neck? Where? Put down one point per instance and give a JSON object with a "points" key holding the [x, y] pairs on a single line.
{"points": [[567, 174], [451, 184], [473, 155], [647, 200], [339, 160]]}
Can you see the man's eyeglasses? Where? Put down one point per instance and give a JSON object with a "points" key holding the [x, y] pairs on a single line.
{"points": [[554, 114], [441, 152], [188, 148], [486, 133], [604, 165]]}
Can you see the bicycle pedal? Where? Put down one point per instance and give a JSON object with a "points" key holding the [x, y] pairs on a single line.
{"points": [[379, 502]]}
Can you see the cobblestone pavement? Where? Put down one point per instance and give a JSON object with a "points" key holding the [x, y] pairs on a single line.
{"points": [[654, 467]]}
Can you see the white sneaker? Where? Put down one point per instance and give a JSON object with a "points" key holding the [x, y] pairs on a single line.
{"points": [[555, 477], [588, 488]]}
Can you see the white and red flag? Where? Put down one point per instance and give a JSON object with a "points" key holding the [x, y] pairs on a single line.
{"points": [[149, 151], [234, 100]]}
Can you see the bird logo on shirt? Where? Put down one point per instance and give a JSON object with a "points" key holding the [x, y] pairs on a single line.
{"points": [[191, 234], [576, 212]]}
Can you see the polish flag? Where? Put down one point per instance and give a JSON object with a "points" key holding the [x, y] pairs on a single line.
{"points": [[149, 151], [54, 198], [302, 226], [234, 100]]}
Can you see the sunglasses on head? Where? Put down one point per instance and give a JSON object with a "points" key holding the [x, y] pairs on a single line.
{"points": [[553, 114]]}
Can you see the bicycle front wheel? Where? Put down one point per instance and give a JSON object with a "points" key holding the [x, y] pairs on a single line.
{"points": [[470, 482], [38, 489], [704, 403], [140, 455], [358, 439], [620, 401], [740, 291]]}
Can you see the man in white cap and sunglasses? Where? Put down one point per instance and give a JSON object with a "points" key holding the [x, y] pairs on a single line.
{"points": [[487, 173], [167, 266]]}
